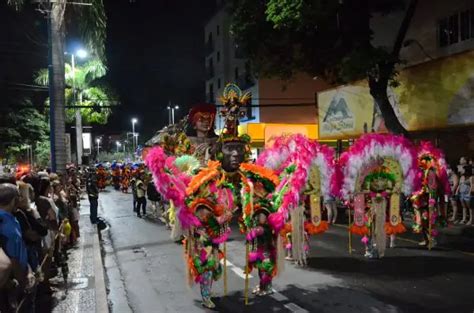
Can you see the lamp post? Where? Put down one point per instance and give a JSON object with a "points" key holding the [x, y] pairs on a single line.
{"points": [[136, 139], [98, 146], [118, 145], [80, 54], [171, 110], [134, 121]]}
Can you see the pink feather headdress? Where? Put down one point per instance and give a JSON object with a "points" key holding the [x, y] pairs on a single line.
{"points": [[371, 146]]}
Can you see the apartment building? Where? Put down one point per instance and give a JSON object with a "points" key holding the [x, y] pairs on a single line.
{"points": [[277, 106]]}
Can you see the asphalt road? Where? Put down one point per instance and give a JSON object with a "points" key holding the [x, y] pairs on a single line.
{"points": [[145, 273]]}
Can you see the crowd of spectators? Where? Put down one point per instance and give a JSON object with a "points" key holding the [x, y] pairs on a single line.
{"points": [[39, 223]]}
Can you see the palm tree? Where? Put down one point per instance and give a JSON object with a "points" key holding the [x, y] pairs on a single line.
{"points": [[92, 21], [82, 90]]}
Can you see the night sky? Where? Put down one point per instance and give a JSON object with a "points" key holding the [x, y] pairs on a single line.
{"points": [[155, 52], [154, 49]]}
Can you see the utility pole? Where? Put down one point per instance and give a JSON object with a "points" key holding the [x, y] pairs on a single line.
{"points": [[54, 11]]}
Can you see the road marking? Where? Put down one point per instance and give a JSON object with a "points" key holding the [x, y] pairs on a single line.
{"points": [[237, 270], [295, 308], [414, 242], [276, 295]]}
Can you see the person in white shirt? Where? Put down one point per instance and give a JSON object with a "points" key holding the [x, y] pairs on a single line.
{"points": [[141, 195]]}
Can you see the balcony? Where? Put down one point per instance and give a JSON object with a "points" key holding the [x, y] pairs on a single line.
{"points": [[209, 47]]}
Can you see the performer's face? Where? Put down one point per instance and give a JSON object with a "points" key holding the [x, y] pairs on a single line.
{"points": [[234, 153], [204, 123], [262, 218]]}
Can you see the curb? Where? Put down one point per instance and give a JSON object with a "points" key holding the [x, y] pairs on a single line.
{"points": [[101, 304]]}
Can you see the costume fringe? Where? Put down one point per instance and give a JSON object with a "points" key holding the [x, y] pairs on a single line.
{"points": [[297, 235], [393, 230], [359, 230], [280, 256], [312, 229], [379, 232]]}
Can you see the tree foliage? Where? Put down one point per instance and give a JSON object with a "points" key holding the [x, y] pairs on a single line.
{"points": [[94, 97], [328, 39], [22, 124], [92, 26]]}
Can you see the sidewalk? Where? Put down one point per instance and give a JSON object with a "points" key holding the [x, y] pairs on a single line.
{"points": [[86, 286]]}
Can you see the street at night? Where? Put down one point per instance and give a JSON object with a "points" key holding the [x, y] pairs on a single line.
{"points": [[144, 270]]}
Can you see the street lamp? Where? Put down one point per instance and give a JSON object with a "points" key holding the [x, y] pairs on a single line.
{"points": [[171, 109], [136, 139], [98, 146], [134, 121], [80, 53], [118, 145]]}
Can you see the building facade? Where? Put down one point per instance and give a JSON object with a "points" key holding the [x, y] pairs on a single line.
{"points": [[277, 106], [435, 96]]}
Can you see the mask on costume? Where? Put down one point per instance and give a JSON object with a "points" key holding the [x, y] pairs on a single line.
{"points": [[203, 122], [234, 149], [233, 154]]}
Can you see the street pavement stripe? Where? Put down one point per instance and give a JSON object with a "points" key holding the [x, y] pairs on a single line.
{"points": [[414, 242], [276, 295], [238, 271], [295, 308]]}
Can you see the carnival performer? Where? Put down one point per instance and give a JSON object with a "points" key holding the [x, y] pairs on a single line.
{"points": [[258, 185], [377, 169], [204, 198], [429, 200], [116, 175], [101, 176], [125, 174], [308, 168]]}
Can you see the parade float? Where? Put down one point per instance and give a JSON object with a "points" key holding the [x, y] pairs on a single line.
{"points": [[376, 170]]}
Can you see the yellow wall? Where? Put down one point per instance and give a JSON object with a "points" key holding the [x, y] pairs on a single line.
{"points": [[435, 94], [263, 133]]}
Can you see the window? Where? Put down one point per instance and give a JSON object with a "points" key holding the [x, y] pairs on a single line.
{"points": [[443, 33], [219, 83], [210, 69], [471, 17], [236, 74], [211, 93], [218, 56], [455, 28], [465, 25], [209, 44], [218, 30]]}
